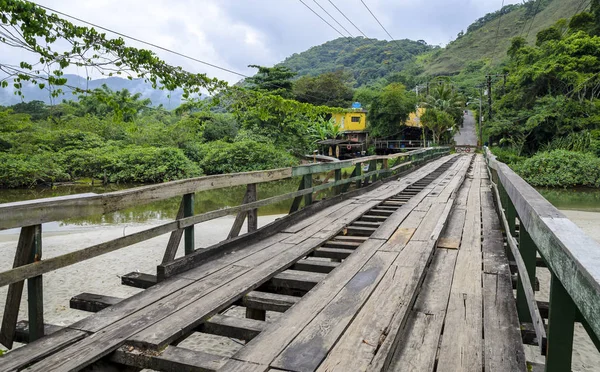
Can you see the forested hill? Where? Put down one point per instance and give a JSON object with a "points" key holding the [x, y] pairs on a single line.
{"points": [[479, 42], [366, 59]]}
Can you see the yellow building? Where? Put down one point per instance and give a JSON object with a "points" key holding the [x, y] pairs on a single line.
{"points": [[414, 120], [351, 120]]}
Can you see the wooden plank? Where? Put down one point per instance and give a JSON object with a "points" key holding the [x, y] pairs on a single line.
{"points": [[171, 359], [502, 338], [22, 331], [50, 264], [333, 253], [269, 301], [452, 234], [279, 335], [427, 225], [184, 320], [316, 266], [253, 213], [91, 349], [174, 239], [138, 280], [373, 330], [295, 279], [418, 350], [234, 327], [233, 365], [239, 219], [15, 290], [39, 349], [92, 302], [35, 291], [310, 346]]}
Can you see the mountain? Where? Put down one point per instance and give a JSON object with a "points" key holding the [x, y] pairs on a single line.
{"points": [[33, 93], [485, 41], [366, 59]]}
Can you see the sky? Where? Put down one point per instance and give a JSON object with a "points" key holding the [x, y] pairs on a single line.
{"points": [[236, 33]]}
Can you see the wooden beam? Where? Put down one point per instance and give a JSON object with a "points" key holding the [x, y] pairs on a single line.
{"points": [[22, 331], [269, 301], [171, 359], [295, 279], [316, 266], [234, 327], [35, 291], [92, 302], [174, 239], [138, 280]]}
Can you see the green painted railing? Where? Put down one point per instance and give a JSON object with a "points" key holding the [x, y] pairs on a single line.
{"points": [[533, 226]]}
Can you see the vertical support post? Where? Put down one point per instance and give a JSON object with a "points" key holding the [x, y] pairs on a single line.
{"points": [[385, 165], [358, 171], [256, 314], [253, 213], [35, 291], [188, 211], [527, 249], [174, 239], [307, 180], [15, 290], [338, 177], [373, 168], [511, 215], [561, 322]]}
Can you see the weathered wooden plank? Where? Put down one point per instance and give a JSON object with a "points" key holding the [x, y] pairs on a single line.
{"points": [[39, 349], [374, 329], [182, 321], [333, 253], [452, 234], [420, 338], [174, 239], [502, 338], [295, 279], [90, 349], [295, 319], [312, 344], [171, 359], [138, 280], [35, 291], [50, 264], [92, 302], [15, 291], [269, 301], [22, 331], [429, 222], [234, 365], [317, 266], [234, 327]]}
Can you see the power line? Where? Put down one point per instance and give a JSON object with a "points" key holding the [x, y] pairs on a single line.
{"points": [[142, 41], [348, 19], [497, 32], [386, 31], [539, 2], [322, 19], [330, 16]]}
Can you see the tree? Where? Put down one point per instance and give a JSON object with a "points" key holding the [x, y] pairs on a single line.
{"points": [[443, 97], [329, 89], [438, 122], [391, 108], [275, 80], [103, 101]]}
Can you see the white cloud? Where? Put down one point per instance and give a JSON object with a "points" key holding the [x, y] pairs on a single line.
{"points": [[236, 33]]}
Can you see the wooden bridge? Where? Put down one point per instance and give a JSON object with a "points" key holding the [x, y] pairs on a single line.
{"points": [[410, 266]]}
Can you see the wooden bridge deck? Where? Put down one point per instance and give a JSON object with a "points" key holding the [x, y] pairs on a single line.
{"points": [[410, 276]]}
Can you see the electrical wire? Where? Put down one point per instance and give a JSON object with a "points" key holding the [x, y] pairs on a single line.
{"points": [[539, 2], [386, 31], [497, 32], [322, 19], [348, 19], [335, 20]]}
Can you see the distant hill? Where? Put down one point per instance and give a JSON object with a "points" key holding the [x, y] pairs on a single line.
{"points": [[480, 43], [157, 96], [366, 59]]}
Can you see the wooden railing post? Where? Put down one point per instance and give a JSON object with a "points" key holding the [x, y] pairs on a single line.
{"points": [[561, 322], [308, 198], [253, 213], [35, 291], [338, 177], [188, 211], [528, 253], [358, 172], [373, 168], [385, 165]]}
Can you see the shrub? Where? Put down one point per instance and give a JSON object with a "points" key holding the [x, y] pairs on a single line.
{"points": [[507, 155], [561, 168], [25, 171], [223, 157]]}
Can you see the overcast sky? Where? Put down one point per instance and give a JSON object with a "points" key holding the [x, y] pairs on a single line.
{"points": [[236, 33]]}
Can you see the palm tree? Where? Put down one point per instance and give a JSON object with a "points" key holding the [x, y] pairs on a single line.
{"points": [[443, 98]]}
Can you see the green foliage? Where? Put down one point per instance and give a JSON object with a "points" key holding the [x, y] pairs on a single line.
{"points": [[276, 80], [508, 155], [18, 170], [561, 168], [438, 122], [329, 89], [223, 157], [390, 109], [325, 129], [220, 127]]}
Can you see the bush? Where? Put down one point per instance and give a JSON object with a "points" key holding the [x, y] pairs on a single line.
{"points": [[507, 155], [26, 171], [561, 168], [223, 157]]}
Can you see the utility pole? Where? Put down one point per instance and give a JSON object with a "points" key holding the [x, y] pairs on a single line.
{"points": [[480, 117], [489, 91]]}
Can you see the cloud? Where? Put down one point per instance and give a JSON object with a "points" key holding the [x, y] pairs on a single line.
{"points": [[236, 33]]}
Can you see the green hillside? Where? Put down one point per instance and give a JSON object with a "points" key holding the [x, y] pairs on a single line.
{"points": [[366, 59], [479, 42]]}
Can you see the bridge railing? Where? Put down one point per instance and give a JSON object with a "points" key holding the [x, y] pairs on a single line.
{"points": [[30, 215], [572, 257]]}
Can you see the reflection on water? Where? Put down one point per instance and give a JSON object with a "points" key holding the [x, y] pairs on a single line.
{"points": [[205, 201], [578, 199]]}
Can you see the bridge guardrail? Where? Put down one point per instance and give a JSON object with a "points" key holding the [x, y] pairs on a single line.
{"points": [[30, 215], [572, 257]]}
